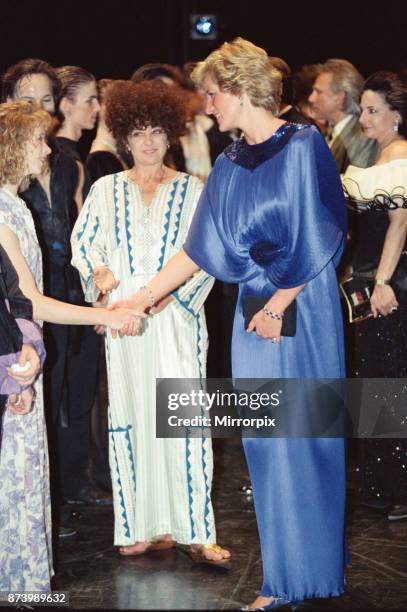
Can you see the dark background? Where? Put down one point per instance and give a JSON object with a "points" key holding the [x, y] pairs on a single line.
{"points": [[111, 38]]}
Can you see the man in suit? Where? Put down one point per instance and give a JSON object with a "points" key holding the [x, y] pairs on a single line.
{"points": [[335, 99]]}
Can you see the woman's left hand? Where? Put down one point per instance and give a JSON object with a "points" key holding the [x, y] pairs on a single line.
{"points": [[104, 279], [266, 327], [383, 300], [21, 403]]}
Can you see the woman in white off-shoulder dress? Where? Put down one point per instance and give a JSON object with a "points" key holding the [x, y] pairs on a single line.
{"points": [[377, 201]]}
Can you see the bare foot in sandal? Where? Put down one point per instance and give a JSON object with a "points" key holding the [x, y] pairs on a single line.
{"points": [[161, 542], [139, 548], [210, 553]]}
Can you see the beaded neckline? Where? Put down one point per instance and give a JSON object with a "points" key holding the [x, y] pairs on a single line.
{"points": [[252, 156]]}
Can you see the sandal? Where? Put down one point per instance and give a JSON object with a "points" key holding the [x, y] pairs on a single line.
{"points": [[198, 556], [153, 545]]}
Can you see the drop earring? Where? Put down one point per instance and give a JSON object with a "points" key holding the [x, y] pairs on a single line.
{"points": [[396, 126]]}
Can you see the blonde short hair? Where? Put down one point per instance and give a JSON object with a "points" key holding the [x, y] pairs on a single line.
{"points": [[18, 120], [241, 67]]}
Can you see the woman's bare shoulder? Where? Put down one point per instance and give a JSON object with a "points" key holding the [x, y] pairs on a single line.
{"points": [[397, 150]]}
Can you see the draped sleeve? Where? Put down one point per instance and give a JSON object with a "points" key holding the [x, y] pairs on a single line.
{"points": [[210, 242], [285, 217], [316, 214]]}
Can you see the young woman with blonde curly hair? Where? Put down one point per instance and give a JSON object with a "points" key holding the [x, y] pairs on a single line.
{"points": [[25, 526]]}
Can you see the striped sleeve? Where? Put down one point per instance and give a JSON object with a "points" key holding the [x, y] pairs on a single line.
{"points": [[89, 238], [193, 293]]}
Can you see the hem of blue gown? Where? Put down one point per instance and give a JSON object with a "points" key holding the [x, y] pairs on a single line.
{"points": [[300, 596]]}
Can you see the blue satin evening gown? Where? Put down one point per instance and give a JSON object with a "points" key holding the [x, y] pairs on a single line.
{"points": [[272, 215]]}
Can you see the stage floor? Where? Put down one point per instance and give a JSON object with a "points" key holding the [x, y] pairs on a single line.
{"points": [[96, 577]]}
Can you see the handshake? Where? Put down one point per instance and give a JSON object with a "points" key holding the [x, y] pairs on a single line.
{"points": [[137, 307]]}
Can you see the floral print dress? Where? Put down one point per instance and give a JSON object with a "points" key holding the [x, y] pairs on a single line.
{"points": [[25, 506]]}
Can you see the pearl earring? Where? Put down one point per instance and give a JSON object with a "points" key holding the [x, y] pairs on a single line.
{"points": [[396, 126]]}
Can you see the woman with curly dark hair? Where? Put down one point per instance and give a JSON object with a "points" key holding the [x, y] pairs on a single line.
{"points": [[131, 224]]}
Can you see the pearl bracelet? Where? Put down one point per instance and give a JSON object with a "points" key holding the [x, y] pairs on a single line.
{"points": [[273, 315], [150, 295]]}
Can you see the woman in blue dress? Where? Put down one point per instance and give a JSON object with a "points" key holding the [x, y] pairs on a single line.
{"points": [[272, 218]]}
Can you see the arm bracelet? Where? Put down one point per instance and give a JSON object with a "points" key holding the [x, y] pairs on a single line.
{"points": [[381, 282], [150, 295], [273, 315]]}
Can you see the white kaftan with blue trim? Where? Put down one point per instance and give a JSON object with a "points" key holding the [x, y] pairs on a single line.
{"points": [[159, 485]]}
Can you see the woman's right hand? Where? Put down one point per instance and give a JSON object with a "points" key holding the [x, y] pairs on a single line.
{"points": [[104, 280], [27, 376], [383, 300], [123, 319], [138, 303]]}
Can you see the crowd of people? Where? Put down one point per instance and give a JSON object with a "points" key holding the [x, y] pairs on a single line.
{"points": [[203, 188]]}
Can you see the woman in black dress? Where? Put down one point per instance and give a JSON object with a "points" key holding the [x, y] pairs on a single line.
{"points": [[103, 156], [377, 199]]}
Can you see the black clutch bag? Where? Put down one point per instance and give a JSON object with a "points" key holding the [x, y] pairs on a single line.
{"points": [[254, 303]]}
